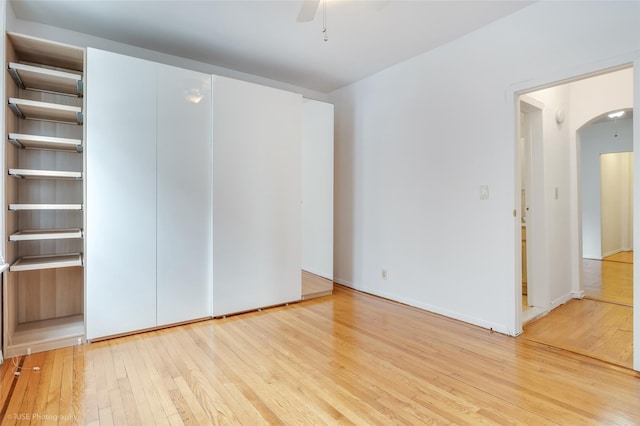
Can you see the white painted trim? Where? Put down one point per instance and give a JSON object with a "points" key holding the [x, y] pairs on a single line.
{"points": [[531, 101], [5, 266], [561, 301], [636, 217], [612, 252], [592, 69], [500, 328], [577, 294], [533, 314], [513, 120], [343, 282], [512, 96]]}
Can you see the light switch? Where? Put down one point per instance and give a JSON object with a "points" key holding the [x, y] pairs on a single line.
{"points": [[484, 192]]}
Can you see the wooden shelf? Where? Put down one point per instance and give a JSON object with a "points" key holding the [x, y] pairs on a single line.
{"points": [[17, 207], [45, 142], [47, 80], [46, 234], [44, 174], [38, 336], [32, 263], [36, 110], [32, 49]]}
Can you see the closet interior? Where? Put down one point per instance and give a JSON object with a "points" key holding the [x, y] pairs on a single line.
{"points": [[43, 292]]}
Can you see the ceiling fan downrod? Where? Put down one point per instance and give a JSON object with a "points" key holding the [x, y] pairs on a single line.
{"points": [[324, 20]]}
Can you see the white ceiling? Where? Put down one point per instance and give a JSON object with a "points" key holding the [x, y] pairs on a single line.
{"points": [[604, 118], [263, 38]]}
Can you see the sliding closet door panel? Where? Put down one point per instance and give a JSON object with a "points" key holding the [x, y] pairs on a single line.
{"points": [[121, 188], [256, 196], [184, 195], [317, 188]]}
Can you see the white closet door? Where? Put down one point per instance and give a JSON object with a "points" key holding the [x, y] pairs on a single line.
{"points": [[184, 195], [121, 194], [256, 196], [317, 188]]}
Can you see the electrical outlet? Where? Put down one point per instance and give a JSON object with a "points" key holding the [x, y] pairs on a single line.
{"points": [[384, 274]]}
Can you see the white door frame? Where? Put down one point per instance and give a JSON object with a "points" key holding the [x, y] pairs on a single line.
{"points": [[537, 274], [513, 94], [636, 216]]}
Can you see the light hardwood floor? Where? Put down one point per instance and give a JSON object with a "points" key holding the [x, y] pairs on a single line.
{"points": [[609, 280], [315, 286], [601, 324], [345, 359], [589, 327]]}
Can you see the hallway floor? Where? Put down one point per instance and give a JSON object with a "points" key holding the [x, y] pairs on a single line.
{"points": [[601, 324]]}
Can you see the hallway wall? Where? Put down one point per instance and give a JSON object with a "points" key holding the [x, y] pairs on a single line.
{"points": [[594, 140]]}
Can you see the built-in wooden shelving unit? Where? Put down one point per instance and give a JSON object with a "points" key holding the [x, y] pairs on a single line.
{"points": [[44, 195]]}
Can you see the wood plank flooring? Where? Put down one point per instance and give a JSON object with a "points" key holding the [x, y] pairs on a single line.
{"points": [[609, 280], [315, 286], [600, 325], [589, 327], [349, 358]]}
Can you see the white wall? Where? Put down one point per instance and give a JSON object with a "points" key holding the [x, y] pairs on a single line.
{"points": [[317, 188], [415, 142], [84, 40], [616, 177], [594, 140]]}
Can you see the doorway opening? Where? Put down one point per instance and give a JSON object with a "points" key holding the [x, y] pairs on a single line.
{"points": [[531, 156], [558, 224]]}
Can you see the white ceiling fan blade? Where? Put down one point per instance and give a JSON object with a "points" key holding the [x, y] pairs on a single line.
{"points": [[308, 10]]}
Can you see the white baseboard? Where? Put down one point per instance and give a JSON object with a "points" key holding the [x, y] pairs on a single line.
{"points": [[577, 294], [431, 308], [343, 282], [561, 301]]}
